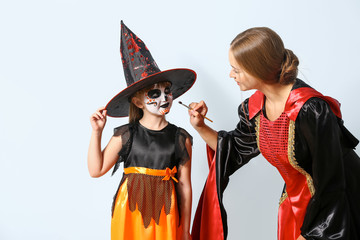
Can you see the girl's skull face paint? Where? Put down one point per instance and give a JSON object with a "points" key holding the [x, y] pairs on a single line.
{"points": [[158, 100]]}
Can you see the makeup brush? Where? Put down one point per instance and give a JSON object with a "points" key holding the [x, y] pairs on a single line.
{"points": [[193, 109]]}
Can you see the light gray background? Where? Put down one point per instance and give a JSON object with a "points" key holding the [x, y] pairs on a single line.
{"points": [[60, 61]]}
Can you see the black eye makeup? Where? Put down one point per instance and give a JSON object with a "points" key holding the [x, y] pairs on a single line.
{"points": [[154, 93], [167, 90]]}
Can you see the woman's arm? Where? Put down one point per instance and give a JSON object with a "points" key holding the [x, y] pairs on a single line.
{"points": [[185, 193], [197, 121], [328, 214], [99, 162]]}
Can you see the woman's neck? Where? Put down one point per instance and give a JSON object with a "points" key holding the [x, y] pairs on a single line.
{"points": [[153, 122], [276, 96]]}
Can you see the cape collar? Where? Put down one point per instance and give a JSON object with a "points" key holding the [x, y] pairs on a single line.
{"points": [[299, 94]]}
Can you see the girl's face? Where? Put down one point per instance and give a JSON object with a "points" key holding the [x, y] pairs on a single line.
{"points": [[158, 100], [243, 79]]}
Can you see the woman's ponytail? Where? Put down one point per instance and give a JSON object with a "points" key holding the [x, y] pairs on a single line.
{"points": [[289, 68]]}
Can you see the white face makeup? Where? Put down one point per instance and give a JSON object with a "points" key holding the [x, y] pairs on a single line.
{"points": [[158, 100]]}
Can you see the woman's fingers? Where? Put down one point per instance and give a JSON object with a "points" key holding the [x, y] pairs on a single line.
{"points": [[202, 108], [199, 107], [193, 104], [194, 113]]}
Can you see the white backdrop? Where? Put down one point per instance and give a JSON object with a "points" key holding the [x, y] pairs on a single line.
{"points": [[60, 61]]}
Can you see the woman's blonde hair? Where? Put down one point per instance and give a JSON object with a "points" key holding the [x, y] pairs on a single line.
{"points": [[135, 113], [261, 52]]}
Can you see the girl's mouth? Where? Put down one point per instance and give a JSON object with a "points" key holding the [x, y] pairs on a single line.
{"points": [[164, 105]]}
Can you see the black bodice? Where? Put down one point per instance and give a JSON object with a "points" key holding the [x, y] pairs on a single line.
{"points": [[153, 149]]}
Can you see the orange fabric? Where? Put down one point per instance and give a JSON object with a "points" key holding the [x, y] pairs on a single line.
{"points": [[167, 173], [129, 225]]}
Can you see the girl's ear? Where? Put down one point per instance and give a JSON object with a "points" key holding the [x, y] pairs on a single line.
{"points": [[137, 102]]}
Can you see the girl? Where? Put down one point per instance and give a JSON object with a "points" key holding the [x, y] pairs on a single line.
{"points": [[154, 197]]}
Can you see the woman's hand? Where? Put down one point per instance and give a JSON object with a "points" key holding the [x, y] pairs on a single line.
{"points": [[300, 238], [98, 119], [196, 119]]}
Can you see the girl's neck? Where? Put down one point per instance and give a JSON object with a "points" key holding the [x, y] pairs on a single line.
{"points": [[153, 122]]}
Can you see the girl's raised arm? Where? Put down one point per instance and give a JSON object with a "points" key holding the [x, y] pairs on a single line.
{"points": [[100, 162]]}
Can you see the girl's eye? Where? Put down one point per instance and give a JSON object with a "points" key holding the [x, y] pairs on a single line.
{"points": [[154, 93], [167, 90]]}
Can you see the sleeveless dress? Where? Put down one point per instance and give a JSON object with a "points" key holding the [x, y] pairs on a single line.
{"points": [[146, 205]]}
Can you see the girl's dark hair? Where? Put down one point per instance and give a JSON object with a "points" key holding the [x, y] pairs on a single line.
{"points": [[261, 52], [135, 113]]}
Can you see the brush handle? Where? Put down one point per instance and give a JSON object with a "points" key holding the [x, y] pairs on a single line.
{"points": [[198, 112]]}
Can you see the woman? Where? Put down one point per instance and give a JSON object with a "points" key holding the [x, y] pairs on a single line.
{"points": [[298, 130], [154, 197]]}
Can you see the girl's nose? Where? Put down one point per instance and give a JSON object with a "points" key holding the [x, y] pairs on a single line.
{"points": [[164, 97]]}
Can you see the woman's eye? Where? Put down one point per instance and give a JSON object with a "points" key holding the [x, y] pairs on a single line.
{"points": [[154, 93]]}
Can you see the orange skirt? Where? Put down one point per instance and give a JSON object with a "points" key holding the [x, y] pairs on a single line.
{"points": [[146, 206]]}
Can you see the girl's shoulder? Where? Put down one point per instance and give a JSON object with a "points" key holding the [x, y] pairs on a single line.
{"points": [[124, 129], [181, 134]]}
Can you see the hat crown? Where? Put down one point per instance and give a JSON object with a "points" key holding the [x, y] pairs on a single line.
{"points": [[136, 58]]}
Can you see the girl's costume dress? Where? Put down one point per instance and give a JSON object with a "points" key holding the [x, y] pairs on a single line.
{"points": [[312, 151], [146, 205]]}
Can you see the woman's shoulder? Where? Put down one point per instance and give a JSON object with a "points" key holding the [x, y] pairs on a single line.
{"points": [[315, 109], [317, 106]]}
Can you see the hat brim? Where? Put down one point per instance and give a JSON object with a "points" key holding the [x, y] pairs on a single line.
{"points": [[181, 80]]}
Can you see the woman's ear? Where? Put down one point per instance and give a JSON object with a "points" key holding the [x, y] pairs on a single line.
{"points": [[137, 102]]}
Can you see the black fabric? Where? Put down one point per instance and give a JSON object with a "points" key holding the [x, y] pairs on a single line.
{"points": [[125, 132], [299, 84], [147, 148], [181, 152], [324, 149], [234, 149]]}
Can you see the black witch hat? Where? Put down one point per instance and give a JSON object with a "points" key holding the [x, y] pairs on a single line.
{"points": [[141, 71]]}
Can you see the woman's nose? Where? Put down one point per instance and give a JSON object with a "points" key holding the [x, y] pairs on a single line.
{"points": [[231, 74]]}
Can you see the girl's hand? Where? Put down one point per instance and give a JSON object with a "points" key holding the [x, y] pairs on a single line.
{"points": [[98, 119], [196, 119], [300, 238]]}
